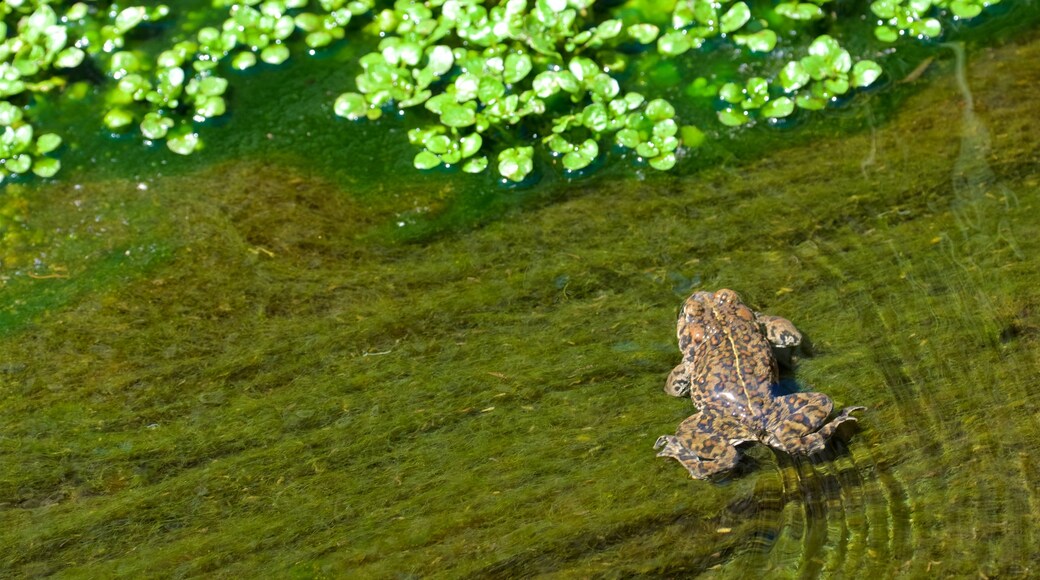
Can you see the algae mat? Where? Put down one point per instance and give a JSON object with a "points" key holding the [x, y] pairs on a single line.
{"points": [[245, 376]]}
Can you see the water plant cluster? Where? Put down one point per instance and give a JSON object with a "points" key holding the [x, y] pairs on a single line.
{"points": [[489, 83]]}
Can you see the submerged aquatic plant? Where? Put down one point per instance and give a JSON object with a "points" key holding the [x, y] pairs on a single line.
{"points": [[491, 83]]}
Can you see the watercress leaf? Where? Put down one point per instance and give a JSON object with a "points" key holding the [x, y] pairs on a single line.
{"points": [[731, 93], [734, 18], [673, 43], [643, 33], [659, 109], [886, 34], [476, 165], [275, 54], [47, 142], [18, 164], [470, 144], [184, 143], [70, 57], [865, 73], [692, 136], [454, 115], [438, 144], [515, 163], [776, 108], [426, 160], [663, 162], [761, 41], [517, 66], [733, 117], [118, 119], [627, 138], [350, 105], [46, 166], [243, 60]]}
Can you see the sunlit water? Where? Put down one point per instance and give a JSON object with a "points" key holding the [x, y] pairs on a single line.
{"points": [[234, 365]]}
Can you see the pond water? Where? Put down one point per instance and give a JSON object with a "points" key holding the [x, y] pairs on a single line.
{"points": [[297, 355]]}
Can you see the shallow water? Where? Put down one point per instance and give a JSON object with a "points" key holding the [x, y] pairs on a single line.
{"points": [[221, 367]]}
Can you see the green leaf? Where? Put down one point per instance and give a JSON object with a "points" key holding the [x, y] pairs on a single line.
{"points": [[47, 142], [628, 138], [731, 93], [665, 128], [275, 54], [776, 108], [733, 117], [673, 43], [810, 102], [457, 116], [927, 28], [426, 160], [475, 165], [886, 34], [243, 60], [439, 60], [129, 18], [183, 144], [643, 33], [46, 167], [490, 89], [71, 57], [9, 114], [213, 86], [799, 10], [595, 117], [470, 144], [351, 105], [581, 156], [736, 17], [118, 119], [663, 162], [467, 86], [691, 136], [865, 73], [885, 9], [761, 41], [18, 163], [515, 163], [659, 109], [517, 66], [154, 126], [209, 107], [966, 9]]}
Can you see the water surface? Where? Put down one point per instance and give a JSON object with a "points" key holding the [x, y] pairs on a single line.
{"points": [[241, 364]]}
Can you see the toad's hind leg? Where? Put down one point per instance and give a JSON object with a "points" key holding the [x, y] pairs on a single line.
{"points": [[796, 424], [780, 332], [701, 451], [678, 383]]}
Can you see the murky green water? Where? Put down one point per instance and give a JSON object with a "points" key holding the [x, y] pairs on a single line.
{"points": [[240, 364]]}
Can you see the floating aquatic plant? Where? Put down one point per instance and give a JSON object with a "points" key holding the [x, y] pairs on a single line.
{"points": [[490, 83], [918, 18]]}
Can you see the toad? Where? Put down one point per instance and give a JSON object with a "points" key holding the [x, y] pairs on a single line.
{"points": [[731, 373]]}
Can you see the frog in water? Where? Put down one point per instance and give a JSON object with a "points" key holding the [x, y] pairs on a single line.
{"points": [[730, 372]]}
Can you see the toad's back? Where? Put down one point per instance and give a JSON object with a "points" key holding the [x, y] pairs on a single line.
{"points": [[732, 369]]}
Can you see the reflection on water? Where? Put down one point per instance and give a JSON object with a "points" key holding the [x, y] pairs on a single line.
{"points": [[243, 375]]}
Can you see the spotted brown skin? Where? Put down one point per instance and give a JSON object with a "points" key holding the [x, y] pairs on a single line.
{"points": [[729, 371]]}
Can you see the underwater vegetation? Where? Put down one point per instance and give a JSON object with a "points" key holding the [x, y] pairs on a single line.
{"points": [[486, 84]]}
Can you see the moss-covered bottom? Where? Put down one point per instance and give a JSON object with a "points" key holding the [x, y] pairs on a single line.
{"points": [[231, 371]]}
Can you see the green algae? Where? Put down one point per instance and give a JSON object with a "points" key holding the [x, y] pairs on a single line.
{"points": [[279, 387]]}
